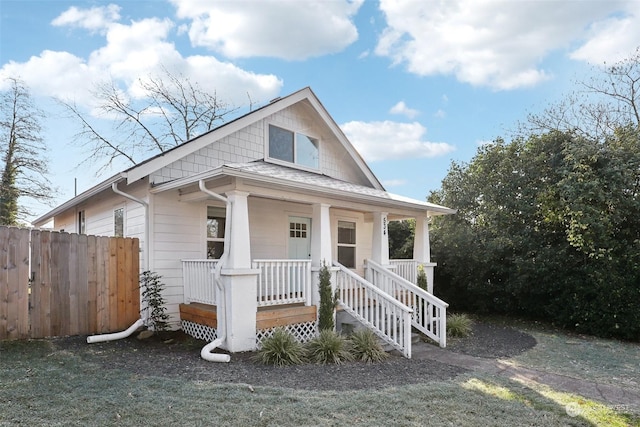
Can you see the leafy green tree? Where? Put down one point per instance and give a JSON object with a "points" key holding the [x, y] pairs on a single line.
{"points": [[401, 238], [546, 228], [22, 153]]}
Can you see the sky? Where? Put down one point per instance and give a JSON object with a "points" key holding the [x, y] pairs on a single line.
{"points": [[413, 84]]}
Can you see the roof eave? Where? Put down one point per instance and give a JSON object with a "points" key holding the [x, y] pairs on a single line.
{"points": [[392, 201], [78, 199]]}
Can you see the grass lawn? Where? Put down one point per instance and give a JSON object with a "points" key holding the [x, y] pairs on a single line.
{"points": [[43, 386]]}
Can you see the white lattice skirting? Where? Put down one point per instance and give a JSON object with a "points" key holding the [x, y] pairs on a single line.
{"points": [[302, 332], [199, 332]]}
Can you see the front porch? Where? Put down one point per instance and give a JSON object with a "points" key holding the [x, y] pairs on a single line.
{"points": [[286, 296]]}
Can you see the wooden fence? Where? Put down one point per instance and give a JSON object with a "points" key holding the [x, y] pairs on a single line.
{"points": [[58, 284]]}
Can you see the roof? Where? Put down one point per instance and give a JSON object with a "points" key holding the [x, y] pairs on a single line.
{"points": [[258, 168], [301, 180]]}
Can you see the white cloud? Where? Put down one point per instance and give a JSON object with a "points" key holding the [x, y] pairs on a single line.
{"points": [[93, 19], [496, 43], [292, 30], [611, 40], [130, 52], [401, 108], [392, 140], [440, 114]]}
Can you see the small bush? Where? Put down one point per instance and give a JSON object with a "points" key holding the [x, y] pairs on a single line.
{"points": [[154, 302], [366, 347], [422, 278], [458, 325], [281, 349], [329, 347], [328, 300]]}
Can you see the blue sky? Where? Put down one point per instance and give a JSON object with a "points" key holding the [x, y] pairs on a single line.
{"points": [[414, 84]]}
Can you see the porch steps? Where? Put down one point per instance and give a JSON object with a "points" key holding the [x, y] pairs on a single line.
{"points": [[266, 318]]}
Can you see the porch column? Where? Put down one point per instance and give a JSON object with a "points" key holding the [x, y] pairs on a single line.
{"points": [[422, 249], [239, 279], [320, 246], [380, 241], [321, 235]]}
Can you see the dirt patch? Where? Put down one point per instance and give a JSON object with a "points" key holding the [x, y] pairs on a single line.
{"points": [[180, 357], [491, 340]]}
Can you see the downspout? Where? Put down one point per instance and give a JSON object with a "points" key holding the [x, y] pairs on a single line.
{"points": [[142, 321], [207, 351]]}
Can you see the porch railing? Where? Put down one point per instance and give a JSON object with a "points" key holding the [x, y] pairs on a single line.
{"points": [[283, 281], [406, 268], [387, 317], [429, 312], [199, 284]]}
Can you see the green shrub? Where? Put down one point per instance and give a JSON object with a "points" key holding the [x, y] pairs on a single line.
{"points": [[154, 302], [281, 349], [366, 347], [329, 347], [422, 277], [458, 325], [328, 300]]}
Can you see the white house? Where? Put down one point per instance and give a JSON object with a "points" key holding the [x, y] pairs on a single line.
{"points": [[239, 220]]}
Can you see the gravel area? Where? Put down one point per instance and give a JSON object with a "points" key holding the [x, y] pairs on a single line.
{"points": [[180, 357]]}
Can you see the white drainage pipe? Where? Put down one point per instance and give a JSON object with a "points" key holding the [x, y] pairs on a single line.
{"points": [[117, 335], [206, 352]]}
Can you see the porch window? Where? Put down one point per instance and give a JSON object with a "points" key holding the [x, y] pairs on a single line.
{"points": [[293, 147], [347, 243], [216, 220], [118, 222]]}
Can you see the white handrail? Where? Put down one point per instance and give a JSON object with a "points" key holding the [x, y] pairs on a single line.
{"points": [[199, 281], [429, 312], [283, 281], [389, 318]]}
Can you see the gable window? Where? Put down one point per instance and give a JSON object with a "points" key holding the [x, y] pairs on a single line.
{"points": [[293, 147], [347, 243], [216, 220], [81, 223], [118, 222]]}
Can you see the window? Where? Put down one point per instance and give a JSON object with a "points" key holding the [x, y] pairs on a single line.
{"points": [[297, 229], [216, 220], [291, 147], [81, 223], [118, 222], [347, 243]]}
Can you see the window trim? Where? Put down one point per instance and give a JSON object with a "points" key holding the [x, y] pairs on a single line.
{"points": [[267, 155], [119, 208], [348, 245], [208, 239], [81, 219]]}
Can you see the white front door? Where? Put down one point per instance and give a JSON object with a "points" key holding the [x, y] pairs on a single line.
{"points": [[299, 237]]}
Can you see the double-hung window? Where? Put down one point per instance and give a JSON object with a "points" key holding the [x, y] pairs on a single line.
{"points": [[347, 243], [216, 220], [293, 147]]}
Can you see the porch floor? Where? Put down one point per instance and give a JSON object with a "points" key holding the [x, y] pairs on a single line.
{"points": [[266, 318]]}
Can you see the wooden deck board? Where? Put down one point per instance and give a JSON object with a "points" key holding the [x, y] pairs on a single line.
{"points": [[266, 318]]}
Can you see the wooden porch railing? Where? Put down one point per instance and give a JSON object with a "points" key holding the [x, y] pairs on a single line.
{"points": [[429, 312], [283, 281], [199, 283], [386, 316], [408, 270], [279, 281]]}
